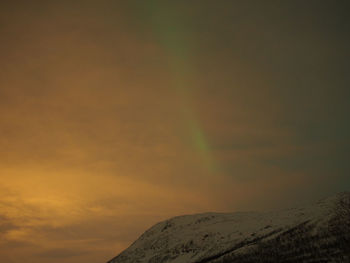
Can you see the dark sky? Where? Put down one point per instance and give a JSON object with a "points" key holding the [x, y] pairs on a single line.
{"points": [[115, 115]]}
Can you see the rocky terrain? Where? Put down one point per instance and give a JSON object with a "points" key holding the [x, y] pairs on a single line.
{"points": [[317, 233]]}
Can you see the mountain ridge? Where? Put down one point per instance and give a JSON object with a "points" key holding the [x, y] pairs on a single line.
{"points": [[314, 233]]}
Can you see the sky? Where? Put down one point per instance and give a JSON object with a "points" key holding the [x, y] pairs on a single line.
{"points": [[115, 115]]}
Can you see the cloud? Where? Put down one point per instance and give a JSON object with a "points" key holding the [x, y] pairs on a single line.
{"points": [[61, 253]]}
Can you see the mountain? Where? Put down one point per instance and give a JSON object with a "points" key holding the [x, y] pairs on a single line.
{"points": [[317, 233]]}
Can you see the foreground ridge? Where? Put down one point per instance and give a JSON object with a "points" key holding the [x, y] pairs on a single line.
{"points": [[317, 233]]}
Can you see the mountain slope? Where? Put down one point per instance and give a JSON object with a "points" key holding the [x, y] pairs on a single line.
{"points": [[318, 233]]}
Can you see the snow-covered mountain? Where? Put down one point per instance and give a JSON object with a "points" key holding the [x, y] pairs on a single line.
{"points": [[317, 233]]}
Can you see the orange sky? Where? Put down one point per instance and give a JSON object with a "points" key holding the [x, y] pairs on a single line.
{"points": [[115, 116]]}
